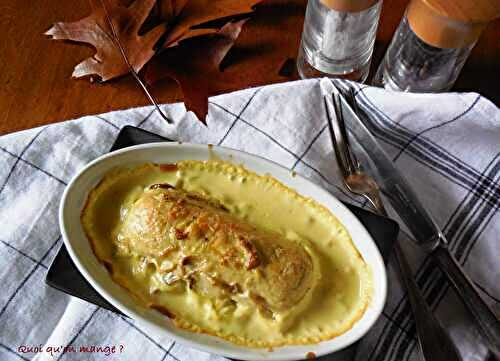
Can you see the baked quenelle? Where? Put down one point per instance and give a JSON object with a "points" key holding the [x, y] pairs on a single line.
{"points": [[214, 252], [224, 251]]}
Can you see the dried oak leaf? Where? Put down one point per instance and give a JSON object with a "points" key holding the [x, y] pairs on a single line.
{"points": [[108, 62], [194, 13], [194, 64], [169, 9], [178, 5]]}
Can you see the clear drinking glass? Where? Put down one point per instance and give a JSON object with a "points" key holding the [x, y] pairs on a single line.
{"points": [[427, 52], [338, 38]]}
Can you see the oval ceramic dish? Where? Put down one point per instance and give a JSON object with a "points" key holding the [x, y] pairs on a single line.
{"points": [[78, 246]]}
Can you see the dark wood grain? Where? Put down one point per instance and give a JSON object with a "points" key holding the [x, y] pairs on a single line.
{"points": [[35, 78]]}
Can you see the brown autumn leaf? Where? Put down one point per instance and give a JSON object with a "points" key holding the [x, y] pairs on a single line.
{"points": [[169, 9], [108, 61], [197, 12], [194, 64], [178, 5]]}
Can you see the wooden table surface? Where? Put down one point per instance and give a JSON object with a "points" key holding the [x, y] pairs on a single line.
{"points": [[35, 77]]}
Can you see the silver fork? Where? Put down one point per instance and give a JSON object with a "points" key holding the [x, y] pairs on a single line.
{"points": [[434, 342]]}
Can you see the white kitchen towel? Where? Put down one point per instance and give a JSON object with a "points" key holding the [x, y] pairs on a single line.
{"points": [[448, 146]]}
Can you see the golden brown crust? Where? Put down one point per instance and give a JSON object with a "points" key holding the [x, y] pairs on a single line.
{"points": [[168, 167]]}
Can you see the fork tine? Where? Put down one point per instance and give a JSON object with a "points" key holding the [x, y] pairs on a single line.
{"points": [[336, 141], [353, 102], [351, 160]]}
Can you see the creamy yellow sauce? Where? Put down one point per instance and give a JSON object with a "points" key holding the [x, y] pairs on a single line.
{"points": [[342, 286]]}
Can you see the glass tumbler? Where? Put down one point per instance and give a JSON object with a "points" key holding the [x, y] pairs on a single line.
{"points": [[428, 50], [338, 38]]}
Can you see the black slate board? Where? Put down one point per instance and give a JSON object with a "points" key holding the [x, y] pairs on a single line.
{"points": [[64, 276]]}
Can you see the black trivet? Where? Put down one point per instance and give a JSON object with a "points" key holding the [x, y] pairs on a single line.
{"points": [[64, 276]]}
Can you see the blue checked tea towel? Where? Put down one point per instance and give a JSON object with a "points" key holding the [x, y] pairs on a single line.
{"points": [[448, 146]]}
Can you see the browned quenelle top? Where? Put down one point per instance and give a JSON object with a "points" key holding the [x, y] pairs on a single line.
{"points": [[451, 24]]}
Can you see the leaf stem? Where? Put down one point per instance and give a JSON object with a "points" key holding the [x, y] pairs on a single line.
{"points": [[132, 70]]}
